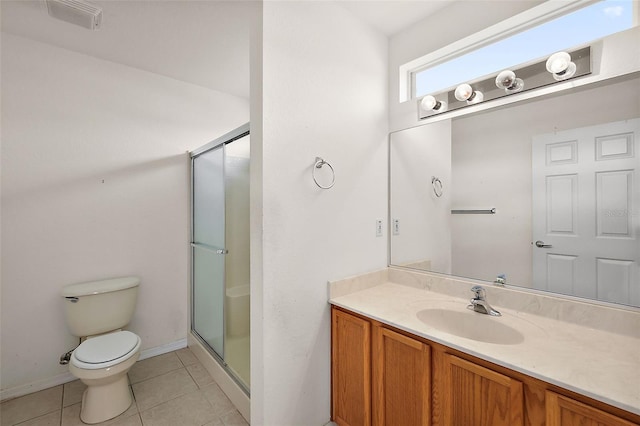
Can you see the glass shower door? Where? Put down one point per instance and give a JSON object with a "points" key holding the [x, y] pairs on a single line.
{"points": [[208, 246]]}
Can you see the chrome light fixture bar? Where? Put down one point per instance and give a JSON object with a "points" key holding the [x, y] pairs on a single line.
{"points": [[557, 68]]}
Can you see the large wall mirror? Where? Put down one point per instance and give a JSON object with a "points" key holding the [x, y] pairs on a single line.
{"points": [[561, 172]]}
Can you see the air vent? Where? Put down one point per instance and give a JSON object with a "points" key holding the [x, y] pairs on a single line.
{"points": [[76, 12]]}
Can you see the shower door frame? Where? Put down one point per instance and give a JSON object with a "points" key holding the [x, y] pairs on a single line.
{"points": [[225, 139]]}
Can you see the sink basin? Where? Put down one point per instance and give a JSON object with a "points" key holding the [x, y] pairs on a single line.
{"points": [[471, 325]]}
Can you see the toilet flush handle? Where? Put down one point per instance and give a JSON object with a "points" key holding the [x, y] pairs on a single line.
{"points": [[72, 299]]}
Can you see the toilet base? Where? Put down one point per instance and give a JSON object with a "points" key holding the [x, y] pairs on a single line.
{"points": [[107, 394], [101, 403]]}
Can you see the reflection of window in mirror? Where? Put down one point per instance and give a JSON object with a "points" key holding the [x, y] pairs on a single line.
{"points": [[571, 28]]}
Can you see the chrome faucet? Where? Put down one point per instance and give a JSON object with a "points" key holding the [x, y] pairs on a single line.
{"points": [[479, 302]]}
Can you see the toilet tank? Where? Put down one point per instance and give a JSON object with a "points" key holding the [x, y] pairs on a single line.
{"points": [[97, 307]]}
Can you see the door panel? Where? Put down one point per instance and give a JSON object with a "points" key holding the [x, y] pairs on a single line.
{"points": [[586, 212], [614, 200], [561, 272], [562, 209], [563, 411], [350, 369], [480, 397], [401, 380], [208, 246]]}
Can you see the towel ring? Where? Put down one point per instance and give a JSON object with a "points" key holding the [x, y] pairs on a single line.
{"points": [[437, 186], [318, 165]]}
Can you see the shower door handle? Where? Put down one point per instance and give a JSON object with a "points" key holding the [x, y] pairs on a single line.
{"points": [[212, 249]]}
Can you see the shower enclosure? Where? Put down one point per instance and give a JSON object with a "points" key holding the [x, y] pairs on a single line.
{"points": [[220, 251]]}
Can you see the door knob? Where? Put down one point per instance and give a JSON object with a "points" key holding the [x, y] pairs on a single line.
{"points": [[541, 244]]}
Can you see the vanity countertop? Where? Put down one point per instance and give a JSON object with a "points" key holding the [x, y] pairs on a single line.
{"points": [[597, 363]]}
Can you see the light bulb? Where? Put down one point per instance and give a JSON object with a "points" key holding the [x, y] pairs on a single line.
{"points": [[463, 92], [430, 103], [559, 64], [508, 81]]}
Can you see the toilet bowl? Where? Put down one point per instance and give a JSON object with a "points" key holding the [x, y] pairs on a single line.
{"points": [[96, 312], [102, 364]]}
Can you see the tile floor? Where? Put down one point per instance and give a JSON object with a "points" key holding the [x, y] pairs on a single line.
{"points": [[169, 390]]}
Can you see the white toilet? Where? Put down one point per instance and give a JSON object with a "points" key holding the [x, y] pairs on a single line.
{"points": [[96, 312]]}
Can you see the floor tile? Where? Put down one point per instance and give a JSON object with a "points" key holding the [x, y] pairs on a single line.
{"points": [[163, 388], [51, 419], [221, 404], [200, 375], [31, 406], [234, 419], [134, 420], [186, 356], [155, 366], [72, 393], [192, 409], [71, 416], [216, 422]]}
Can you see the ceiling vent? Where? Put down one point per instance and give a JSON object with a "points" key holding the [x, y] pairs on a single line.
{"points": [[76, 12]]}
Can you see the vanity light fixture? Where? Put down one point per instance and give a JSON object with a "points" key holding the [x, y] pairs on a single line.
{"points": [[542, 72], [508, 81], [560, 66], [465, 92], [430, 103]]}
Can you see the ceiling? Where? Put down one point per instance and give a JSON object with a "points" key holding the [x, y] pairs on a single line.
{"points": [[200, 42]]}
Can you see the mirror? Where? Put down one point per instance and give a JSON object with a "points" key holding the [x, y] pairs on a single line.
{"points": [[563, 175]]}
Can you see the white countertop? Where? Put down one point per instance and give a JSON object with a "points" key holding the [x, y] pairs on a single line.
{"points": [[600, 364]]}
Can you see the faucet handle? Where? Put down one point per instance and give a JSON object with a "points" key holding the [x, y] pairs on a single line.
{"points": [[479, 291]]}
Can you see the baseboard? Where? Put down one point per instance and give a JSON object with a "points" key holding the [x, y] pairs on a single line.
{"points": [[222, 378], [163, 349], [67, 377], [36, 386]]}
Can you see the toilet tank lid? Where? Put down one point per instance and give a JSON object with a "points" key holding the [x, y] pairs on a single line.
{"points": [[97, 287]]}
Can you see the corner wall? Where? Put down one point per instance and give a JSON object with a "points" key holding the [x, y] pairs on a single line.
{"points": [[323, 93], [95, 184]]}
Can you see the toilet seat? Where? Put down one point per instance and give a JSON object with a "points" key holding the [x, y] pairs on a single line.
{"points": [[106, 350]]}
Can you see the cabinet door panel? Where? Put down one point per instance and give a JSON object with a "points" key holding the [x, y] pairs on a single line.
{"points": [[563, 411], [350, 369], [476, 396], [401, 380]]}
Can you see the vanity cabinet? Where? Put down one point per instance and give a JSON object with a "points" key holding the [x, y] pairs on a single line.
{"points": [[384, 376], [401, 379], [474, 395], [350, 369], [563, 411]]}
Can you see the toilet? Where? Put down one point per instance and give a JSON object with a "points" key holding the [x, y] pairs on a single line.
{"points": [[96, 312]]}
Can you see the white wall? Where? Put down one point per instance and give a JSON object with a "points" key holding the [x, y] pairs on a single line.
{"points": [[322, 93], [459, 20], [95, 184]]}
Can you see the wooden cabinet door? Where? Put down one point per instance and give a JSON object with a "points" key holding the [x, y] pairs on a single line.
{"points": [[401, 380], [563, 411], [350, 369], [477, 396]]}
